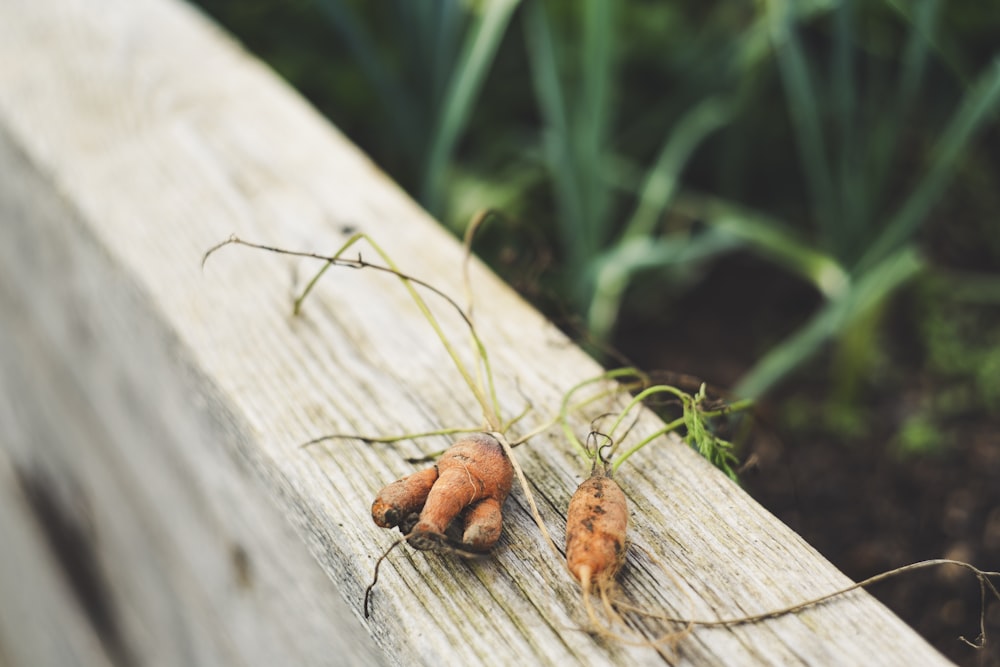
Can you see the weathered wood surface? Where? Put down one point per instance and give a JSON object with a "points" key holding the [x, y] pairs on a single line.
{"points": [[152, 411]]}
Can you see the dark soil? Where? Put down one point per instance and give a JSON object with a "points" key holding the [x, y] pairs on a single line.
{"points": [[848, 490], [868, 511]]}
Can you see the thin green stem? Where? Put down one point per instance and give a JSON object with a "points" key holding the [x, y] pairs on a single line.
{"points": [[490, 406], [564, 408], [645, 441], [738, 406], [490, 412], [519, 417], [297, 304], [388, 438], [565, 412], [639, 398]]}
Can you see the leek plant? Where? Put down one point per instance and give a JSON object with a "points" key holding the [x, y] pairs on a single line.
{"points": [[444, 52], [857, 245]]}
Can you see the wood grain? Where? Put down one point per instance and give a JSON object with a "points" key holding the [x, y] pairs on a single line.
{"points": [[171, 400]]}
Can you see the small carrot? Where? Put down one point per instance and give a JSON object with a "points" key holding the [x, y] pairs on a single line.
{"points": [[596, 523], [470, 481]]}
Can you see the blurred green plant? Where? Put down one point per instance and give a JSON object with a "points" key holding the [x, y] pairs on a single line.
{"points": [[959, 329], [848, 152], [959, 326], [440, 60], [848, 136], [631, 126], [918, 436], [601, 253]]}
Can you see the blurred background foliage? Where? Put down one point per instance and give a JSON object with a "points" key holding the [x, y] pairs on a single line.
{"points": [[796, 200], [842, 152]]}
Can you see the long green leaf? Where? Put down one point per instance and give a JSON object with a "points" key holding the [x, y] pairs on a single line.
{"points": [[478, 53], [443, 27], [663, 178], [550, 95], [978, 107], [850, 158], [590, 134], [868, 292], [805, 114], [885, 138], [614, 271], [770, 239], [393, 95]]}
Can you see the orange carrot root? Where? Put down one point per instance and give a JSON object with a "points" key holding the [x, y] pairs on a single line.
{"points": [[596, 524], [483, 523], [402, 498], [471, 480]]}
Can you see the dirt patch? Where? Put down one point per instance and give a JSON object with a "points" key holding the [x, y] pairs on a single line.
{"points": [[850, 491]]}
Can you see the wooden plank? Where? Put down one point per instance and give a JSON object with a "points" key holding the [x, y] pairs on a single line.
{"points": [[117, 457], [35, 596], [141, 137]]}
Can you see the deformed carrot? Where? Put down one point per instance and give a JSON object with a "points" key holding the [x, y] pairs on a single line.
{"points": [[459, 501], [596, 523], [472, 471], [470, 481]]}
